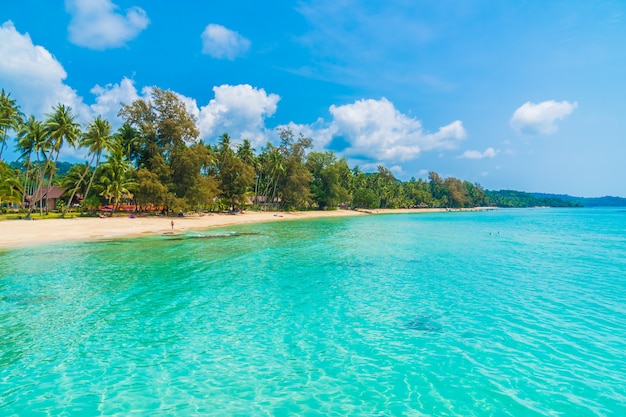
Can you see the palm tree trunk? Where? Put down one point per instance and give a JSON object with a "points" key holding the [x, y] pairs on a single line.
{"points": [[256, 190], [266, 192], [274, 191], [69, 203], [38, 188], [43, 177], [31, 202], [52, 172], [25, 187], [93, 175]]}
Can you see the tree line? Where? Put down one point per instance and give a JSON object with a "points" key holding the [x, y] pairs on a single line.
{"points": [[516, 199], [156, 159]]}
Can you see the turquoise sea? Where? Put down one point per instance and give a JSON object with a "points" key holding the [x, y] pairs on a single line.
{"points": [[495, 313]]}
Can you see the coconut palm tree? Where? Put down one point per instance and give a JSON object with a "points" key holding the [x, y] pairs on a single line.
{"points": [[10, 118], [62, 127], [245, 151], [277, 169], [25, 146], [74, 180], [32, 137], [116, 177], [130, 138], [9, 183], [97, 139], [223, 149]]}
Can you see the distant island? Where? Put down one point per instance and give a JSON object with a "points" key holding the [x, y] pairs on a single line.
{"points": [[511, 198], [606, 201]]}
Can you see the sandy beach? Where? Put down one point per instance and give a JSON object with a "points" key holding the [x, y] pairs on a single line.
{"points": [[15, 233]]}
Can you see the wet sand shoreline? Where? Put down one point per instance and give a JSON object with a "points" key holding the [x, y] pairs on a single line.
{"points": [[17, 233]]}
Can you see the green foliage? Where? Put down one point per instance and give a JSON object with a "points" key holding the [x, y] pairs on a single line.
{"points": [[91, 203], [117, 178], [10, 190], [295, 192], [331, 179], [365, 198], [10, 118], [509, 198], [606, 201], [235, 179], [156, 159]]}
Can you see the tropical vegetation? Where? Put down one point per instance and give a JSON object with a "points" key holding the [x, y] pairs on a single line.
{"points": [[157, 161]]}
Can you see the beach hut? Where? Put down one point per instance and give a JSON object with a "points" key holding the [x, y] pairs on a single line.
{"points": [[48, 196]]}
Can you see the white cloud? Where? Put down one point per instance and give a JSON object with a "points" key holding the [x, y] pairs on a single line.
{"points": [[33, 76], [111, 97], [488, 153], [320, 132], [375, 129], [220, 42], [239, 110], [97, 24], [541, 118], [396, 169]]}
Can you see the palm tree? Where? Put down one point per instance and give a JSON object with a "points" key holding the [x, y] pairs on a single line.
{"points": [[245, 152], [116, 176], [277, 169], [10, 118], [62, 128], [74, 179], [97, 140], [9, 183], [32, 137], [25, 145], [130, 138], [223, 149]]}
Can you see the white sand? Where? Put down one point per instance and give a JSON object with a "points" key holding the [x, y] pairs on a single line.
{"points": [[14, 233]]}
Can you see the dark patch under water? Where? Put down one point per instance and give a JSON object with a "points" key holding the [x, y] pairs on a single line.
{"points": [[227, 235], [424, 324]]}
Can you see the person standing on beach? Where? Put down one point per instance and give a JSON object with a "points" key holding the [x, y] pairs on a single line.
{"points": [[172, 223]]}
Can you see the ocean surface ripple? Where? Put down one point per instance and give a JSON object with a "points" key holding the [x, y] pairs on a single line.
{"points": [[500, 313]]}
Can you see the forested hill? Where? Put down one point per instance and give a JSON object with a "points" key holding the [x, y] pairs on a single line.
{"points": [[607, 201], [510, 198]]}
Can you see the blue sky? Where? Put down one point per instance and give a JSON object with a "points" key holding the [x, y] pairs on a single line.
{"points": [[525, 95]]}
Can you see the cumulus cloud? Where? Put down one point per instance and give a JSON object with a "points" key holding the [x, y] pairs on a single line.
{"points": [[97, 24], [488, 153], [33, 76], [320, 132], [222, 43], [375, 129], [541, 118], [111, 97], [239, 110]]}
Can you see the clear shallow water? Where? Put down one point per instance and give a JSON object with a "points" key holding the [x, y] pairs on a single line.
{"points": [[509, 312]]}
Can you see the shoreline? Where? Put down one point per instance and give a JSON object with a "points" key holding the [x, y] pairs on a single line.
{"points": [[21, 233]]}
